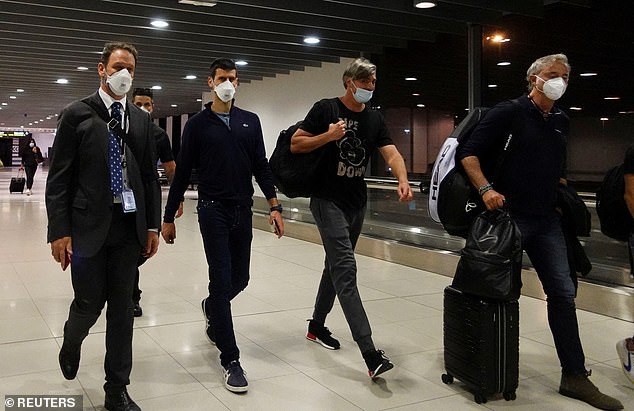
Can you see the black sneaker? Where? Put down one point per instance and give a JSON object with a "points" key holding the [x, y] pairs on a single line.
{"points": [[209, 329], [138, 311], [235, 377], [320, 334], [377, 363]]}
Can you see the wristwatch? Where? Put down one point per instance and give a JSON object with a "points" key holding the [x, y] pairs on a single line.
{"points": [[277, 208]]}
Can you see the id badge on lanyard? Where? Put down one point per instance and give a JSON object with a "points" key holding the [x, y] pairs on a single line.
{"points": [[127, 195], [127, 201]]}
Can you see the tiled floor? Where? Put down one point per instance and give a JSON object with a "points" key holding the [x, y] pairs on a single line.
{"points": [[175, 368]]}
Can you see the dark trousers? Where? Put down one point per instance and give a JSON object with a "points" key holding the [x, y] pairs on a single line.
{"points": [[339, 233], [136, 291], [227, 233], [630, 249], [30, 173], [543, 241], [108, 277]]}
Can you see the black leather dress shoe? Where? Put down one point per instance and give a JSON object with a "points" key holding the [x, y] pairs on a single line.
{"points": [[138, 311], [120, 401], [69, 361]]}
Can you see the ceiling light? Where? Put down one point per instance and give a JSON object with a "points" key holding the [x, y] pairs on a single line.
{"points": [[82, 68], [492, 86], [311, 40], [498, 39], [159, 24], [174, 105], [420, 105], [198, 100], [504, 63], [611, 98], [415, 94], [576, 108], [61, 81], [604, 119], [20, 90], [190, 77], [410, 79], [424, 4], [157, 88], [241, 63], [588, 74], [198, 2], [12, 97]]}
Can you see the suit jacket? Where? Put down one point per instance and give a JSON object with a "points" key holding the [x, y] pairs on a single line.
{"points": [[78, 197]]}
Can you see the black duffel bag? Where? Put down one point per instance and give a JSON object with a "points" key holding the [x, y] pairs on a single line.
{"points": [[491, 262]]}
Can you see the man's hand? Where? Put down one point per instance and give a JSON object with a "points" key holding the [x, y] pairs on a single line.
{"points": [[336, 130], [275, 219], [152, 244], [62, 249], [404, 192], [168, 230], [179, 212], [493, 200]]}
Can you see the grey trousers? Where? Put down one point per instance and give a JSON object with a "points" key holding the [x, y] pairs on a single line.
{"points": [[339, 233]]}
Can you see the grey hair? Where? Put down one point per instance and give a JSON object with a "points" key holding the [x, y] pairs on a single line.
{"points": [[542, 62], [358, 69]]}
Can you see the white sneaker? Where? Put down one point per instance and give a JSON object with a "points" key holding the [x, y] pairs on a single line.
{"points": [[28, 192], [626, 357]]}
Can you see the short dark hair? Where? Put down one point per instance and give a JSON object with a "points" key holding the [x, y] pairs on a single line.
{"points": [[143, 92], [108, 48], [221, 63]]}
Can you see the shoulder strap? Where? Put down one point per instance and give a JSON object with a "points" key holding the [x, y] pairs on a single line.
{"points": [[507, 145], [334, 107], [111, 123]]}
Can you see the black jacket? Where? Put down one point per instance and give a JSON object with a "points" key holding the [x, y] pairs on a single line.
{"points": [[78, 197]]}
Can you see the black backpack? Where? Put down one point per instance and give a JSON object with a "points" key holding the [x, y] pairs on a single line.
{"points": [[296, 175], [453, 200], [614, 216], [490, 264]]}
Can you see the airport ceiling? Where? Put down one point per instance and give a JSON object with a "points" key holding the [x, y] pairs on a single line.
{"points": [[42, 41]]}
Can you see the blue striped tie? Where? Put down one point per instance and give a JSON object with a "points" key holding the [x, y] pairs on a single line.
{"points": [[114, 153]]}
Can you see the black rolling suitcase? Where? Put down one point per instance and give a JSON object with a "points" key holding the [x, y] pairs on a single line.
{"points": [[17, 183], [481, 339]]}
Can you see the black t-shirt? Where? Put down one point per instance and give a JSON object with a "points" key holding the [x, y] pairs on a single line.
{"points": [[344, 164], [163, 148], [628, 164]]}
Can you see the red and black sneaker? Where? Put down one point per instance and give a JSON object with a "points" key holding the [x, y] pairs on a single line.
{"points": [[320, 334]]}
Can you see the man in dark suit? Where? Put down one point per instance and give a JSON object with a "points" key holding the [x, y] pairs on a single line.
{"points": [[103, 203]]}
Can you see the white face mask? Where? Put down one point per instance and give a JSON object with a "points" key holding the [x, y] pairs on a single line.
{"points": [[225, 91], [120, 82], [362, 95], [553, 88], [31, 145]]}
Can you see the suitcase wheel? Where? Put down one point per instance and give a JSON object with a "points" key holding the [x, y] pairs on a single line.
{"points": [[446, 378], [509, 396], [479, 398]]}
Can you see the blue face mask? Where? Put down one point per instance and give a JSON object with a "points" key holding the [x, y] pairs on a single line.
{"points": [[362, 95]]}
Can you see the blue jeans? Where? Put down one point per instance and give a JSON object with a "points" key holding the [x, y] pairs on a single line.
{"points": [[339, 234], [227, 233], [543, 241]]}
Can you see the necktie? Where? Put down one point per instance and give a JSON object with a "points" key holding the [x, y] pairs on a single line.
{"points": [[114, 153]]}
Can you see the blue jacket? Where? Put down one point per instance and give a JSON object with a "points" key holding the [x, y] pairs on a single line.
{"points": [[226, 159]]}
